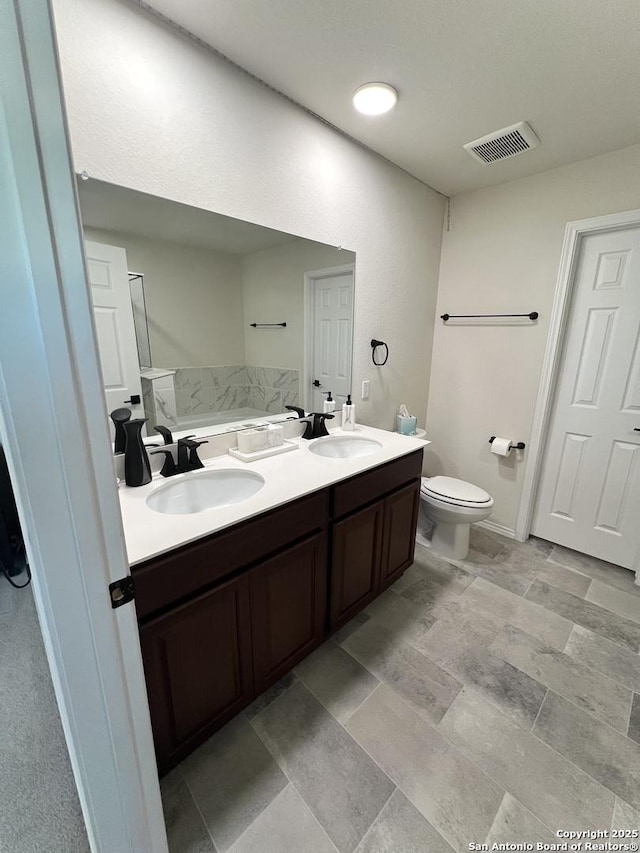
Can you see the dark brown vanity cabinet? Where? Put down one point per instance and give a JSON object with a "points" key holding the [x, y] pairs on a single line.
{"points": [[288, 608], [198, 668], [372, 546], [223, 618]]}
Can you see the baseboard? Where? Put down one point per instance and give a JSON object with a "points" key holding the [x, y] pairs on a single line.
{"points": [[493, 527]]}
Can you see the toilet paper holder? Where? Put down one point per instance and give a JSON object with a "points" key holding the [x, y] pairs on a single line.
{"points": [[519, 446]]}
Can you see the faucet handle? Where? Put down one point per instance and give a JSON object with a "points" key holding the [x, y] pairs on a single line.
{"points": [[299, 412], [169, 468], [194, 460], [165, 432]]}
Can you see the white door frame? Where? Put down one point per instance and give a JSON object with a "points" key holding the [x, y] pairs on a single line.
{"points": [[574, 234], [53, 421], [310, 279]]}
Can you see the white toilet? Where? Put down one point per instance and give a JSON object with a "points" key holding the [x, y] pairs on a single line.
{"points": [[449, 507]]}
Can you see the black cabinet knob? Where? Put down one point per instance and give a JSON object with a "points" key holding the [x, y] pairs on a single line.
{"points": [[134, 400]]}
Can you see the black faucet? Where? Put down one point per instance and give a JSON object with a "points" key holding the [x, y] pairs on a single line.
{"points": [[188, 459], [316, 427]]}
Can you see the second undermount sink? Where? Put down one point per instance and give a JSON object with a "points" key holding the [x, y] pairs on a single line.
{"points": [[202, 490], [344, 446]]}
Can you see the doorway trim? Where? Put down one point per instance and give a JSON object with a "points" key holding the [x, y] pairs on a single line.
{"points": [[54, 420], [310, 279], [574, 234]]}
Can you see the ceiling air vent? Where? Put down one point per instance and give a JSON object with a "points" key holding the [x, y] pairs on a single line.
{"points": [[503, 143]]}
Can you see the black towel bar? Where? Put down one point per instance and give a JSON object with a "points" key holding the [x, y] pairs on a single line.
{"points": [[267, 325], [532, 315]]}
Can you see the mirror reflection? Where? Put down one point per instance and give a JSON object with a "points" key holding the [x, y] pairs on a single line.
{"points": [[207, 324]]}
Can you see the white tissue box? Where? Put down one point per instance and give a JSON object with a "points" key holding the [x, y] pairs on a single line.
{"points": [[253, 440]]}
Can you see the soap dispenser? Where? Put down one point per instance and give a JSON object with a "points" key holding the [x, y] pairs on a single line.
{"points": [[120, 417], [348, 414], [137, 470], [329, 404]]}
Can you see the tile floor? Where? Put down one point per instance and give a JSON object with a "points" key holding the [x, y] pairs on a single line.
{"points": [[494, 700]]}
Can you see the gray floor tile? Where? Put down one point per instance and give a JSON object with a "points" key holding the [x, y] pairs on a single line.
{"points": [[342, 786], [351, 626], [400, 828], [615, 661], [487, 542], [591, 690], [186, 831], [613, 575], [634, 719], [462, 648], [270, 694], [624, 817], [285, 826], [426, 564], [232, 778], [512, 570], [609, 757], [455, 796], [435, 588], [514, 823], [336, 679], [565, 579], [557, 792], [406, 621], [171, 780], [421, 682], [603, 622], [622, 603], [502, 606]]}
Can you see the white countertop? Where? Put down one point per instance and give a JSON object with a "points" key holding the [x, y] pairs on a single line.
{"points": [[287, 477]]}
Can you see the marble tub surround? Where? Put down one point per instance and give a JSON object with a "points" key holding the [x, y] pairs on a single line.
{"points": [[159, 398], [235, 386], [287, 477], [452, 710]]}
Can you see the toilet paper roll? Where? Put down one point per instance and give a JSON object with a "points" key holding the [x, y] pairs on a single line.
{"points": [[501, 446]]}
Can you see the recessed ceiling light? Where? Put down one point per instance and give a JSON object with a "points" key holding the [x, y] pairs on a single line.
{"points": [[373, 99]]}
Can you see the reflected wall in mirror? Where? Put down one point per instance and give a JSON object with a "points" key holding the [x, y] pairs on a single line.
{"points": [[216, 324]]}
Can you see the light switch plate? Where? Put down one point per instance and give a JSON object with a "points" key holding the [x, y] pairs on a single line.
{"points": [[366, 384]]}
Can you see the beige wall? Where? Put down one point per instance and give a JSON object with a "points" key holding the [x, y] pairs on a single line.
{"points": [[193, 298], [502, 255], [151, 110], [273, 291]]}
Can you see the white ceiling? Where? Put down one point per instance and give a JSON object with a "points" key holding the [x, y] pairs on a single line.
{"points": [[114, 208], [463, 68]]}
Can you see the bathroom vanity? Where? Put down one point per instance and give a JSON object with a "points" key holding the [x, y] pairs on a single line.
{"points": [[245, 592]]}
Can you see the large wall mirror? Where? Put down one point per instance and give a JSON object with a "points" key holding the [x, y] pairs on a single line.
{"points": [[207, 324]]}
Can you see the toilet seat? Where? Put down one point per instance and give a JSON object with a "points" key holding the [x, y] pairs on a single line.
{"points": [[455, 492]]}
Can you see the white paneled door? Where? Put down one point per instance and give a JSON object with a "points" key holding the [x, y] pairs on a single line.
{"points": [[589, 491], [332, 337], [115, 331]]}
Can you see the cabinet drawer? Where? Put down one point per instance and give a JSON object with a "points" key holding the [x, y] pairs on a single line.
{"points": [[171, 578], [367, 487]]}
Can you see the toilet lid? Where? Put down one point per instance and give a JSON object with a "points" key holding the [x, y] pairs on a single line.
{"points": [[455, 491]]}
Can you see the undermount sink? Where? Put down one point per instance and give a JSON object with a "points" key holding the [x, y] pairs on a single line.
{"points": [[344, 446], [205, 490]]}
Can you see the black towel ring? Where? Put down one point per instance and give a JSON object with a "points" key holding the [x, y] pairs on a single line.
{"points": [[374, 345]]}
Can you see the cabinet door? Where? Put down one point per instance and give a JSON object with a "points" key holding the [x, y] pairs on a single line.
{"points": [[197, 662], [288, 608], [400, 520], [355, 570]]}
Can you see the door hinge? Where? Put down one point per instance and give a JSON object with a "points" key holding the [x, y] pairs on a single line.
{"points": [[122, 591]]}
